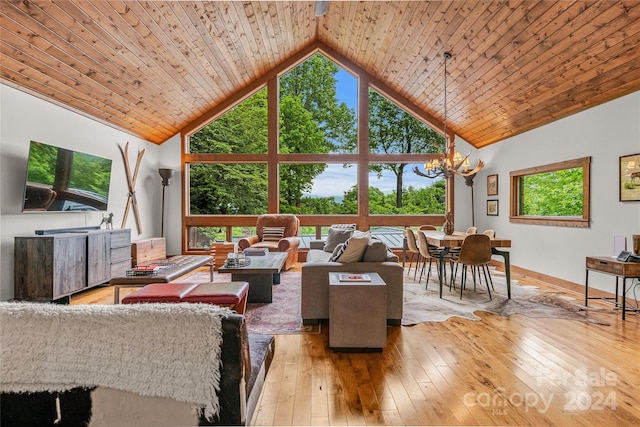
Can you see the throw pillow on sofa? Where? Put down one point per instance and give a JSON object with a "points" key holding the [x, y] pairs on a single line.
{"points": [[376, 251], [337, 252], [353, 249], [335, 236]]}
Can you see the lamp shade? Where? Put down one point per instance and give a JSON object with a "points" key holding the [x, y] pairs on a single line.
{"points": [[166, 175]]}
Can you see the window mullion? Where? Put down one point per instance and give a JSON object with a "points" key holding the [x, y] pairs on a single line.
{"points": [[363, 152], [273, 114]]}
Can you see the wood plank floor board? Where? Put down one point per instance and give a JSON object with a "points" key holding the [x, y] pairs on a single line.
{"points": [[440, 410], [265, 413], [319, 387], [408, 380], [349, 386], [302, 398], [288, 389], [284, 413], [334, 381], [403, 402], [320, 421], [367, 389], [391, 418], [337, 410], [378, 377], [461, 383]]}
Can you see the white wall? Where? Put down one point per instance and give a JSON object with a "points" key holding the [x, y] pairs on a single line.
{"points": [[605, 133], [462, 192], [170, 157], [24, 118]]}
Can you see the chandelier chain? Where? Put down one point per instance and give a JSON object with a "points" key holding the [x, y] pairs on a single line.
{"points": [[446, 57], [450, 164]]}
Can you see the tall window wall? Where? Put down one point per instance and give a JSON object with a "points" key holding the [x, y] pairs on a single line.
{"points": [[330, 160]]}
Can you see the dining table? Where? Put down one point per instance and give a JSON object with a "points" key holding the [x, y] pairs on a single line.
{"points": [[446, 242]]}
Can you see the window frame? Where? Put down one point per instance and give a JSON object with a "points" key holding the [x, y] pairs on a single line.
{"points": [[515, 178], [273, 158]]}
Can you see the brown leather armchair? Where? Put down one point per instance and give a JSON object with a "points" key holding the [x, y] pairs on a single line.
{"points": [[288, 243]]}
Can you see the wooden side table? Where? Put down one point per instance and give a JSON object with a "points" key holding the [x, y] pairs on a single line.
{"points": [[357, 313], [608, 265], [219, 251]]}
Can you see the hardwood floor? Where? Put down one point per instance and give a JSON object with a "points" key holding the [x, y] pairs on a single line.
{"points": [[497, 371]]}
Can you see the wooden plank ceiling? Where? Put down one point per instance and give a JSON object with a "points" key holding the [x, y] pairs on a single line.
{"points": [[152, 67]]}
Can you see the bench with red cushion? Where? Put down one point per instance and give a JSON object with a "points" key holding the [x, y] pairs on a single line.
{"points": [[227, 294]]}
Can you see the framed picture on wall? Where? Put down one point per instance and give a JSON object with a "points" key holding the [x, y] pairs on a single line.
{"points": [[492, 207], [492, 185], [630, 178]]}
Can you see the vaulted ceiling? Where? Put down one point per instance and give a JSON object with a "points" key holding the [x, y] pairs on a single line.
{"points": [[153, 67]]}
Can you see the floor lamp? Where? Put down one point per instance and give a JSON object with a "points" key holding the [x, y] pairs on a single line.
{"points": [[469, 181], [166, 175]]}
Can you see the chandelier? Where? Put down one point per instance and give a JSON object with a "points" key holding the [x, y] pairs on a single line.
{"points": [[449, 164]]}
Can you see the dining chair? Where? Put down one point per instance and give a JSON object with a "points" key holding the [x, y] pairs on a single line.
{"points": [[428, 253], [492, 235], [454, 253], [435, 251], [412, 247], [475, 252], [428, 227]]}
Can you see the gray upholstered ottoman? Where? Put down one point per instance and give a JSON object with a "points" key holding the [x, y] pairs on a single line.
{"points": [[357, 312]]}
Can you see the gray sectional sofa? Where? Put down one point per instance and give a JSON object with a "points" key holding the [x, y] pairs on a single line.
{"points": [[315, 279]]}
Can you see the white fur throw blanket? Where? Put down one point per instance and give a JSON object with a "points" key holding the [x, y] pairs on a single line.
{"points": [[163, 350]]}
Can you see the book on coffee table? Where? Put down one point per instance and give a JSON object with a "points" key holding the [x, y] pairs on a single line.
{"points": [[355, 278], [255, 251], [149, 267]]}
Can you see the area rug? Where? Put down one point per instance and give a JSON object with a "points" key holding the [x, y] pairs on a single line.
{"points": [[425, 305], [282, 316]]}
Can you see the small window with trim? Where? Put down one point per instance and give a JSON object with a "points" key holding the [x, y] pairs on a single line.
{"points": [[555, 194]]}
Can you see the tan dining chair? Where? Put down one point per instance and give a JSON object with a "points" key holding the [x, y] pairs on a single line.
{"points": [[454, 253], [428, 253], [412, 248], [428, 227], [475, 252], [492, 235]]}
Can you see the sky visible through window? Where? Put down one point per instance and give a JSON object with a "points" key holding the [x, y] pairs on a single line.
{"points": [[336, 179]]}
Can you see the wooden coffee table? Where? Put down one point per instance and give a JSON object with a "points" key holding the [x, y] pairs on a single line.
{"points": [[262, 273]]}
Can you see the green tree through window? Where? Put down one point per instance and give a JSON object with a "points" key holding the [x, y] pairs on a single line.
{"points": [[394, 131], [554, 194], [312, 121]]}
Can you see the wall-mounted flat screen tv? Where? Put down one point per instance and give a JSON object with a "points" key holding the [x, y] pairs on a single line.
{"points": [[62, 180]]}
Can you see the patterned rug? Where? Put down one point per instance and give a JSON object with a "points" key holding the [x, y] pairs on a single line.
{"points": [[282, 316]]}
